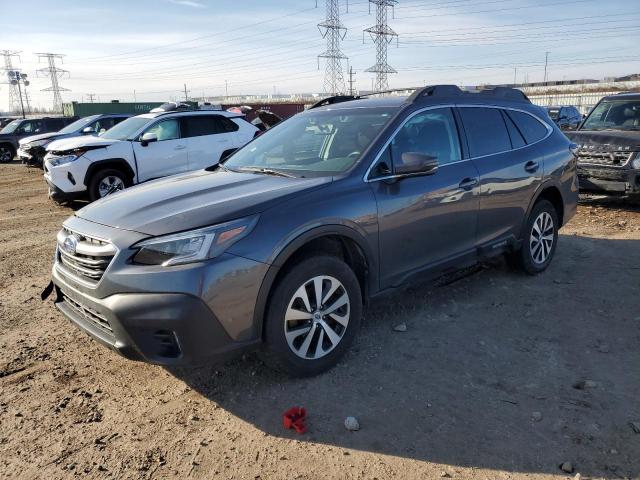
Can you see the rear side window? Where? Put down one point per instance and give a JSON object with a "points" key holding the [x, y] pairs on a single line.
{"points": [[200, 125], [531, 128], [227, 125], [517, 140], [486, 131]]}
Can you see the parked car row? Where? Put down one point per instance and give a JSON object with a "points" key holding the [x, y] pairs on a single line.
{"points": [[17, 129], [142, 148], [282, 243]]}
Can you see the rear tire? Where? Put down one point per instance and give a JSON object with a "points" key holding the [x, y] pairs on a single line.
{"points": [[539, 241], [304, 336], [98, 185]]}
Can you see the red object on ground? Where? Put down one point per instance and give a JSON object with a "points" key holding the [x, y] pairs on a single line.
{"points": [[295, 418]]}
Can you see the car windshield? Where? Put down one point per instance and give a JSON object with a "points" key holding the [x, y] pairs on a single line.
{"points": [[316, 143], [126, 129], [553, 113], [78, 124], [614, 115], [10, 128]]}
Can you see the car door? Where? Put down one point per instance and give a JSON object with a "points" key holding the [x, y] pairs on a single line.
{"points": [[425, 221], [510, 170], [205, 140], [167, 156]]}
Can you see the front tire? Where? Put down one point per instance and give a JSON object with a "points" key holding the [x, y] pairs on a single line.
{"points": [[313, 316], [6, 153], [105, 182], [540, 239]]}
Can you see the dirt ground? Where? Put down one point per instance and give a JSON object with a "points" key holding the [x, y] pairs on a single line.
{"points": [[498, 375]]}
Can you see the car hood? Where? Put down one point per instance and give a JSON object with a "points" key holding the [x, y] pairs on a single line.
{"points": [[42, 136], [193, 200], [65, 144], [606, 138]]}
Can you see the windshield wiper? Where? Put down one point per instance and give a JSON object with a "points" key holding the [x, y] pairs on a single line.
{"points": [[266, 171]]}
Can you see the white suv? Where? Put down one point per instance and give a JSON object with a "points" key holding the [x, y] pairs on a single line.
{"points": [[142, 148]]}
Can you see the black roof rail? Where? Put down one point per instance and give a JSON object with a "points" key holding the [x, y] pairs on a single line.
{"points": [[435, 91], [334, 99], [506, 93]]}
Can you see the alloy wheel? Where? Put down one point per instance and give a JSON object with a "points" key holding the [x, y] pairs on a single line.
{"points": [[109, 185], [5, 154], [317, 317], [541, 238]]}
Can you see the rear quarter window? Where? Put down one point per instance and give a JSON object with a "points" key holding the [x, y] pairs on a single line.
{"points": [[486, 131], [532, 129]]}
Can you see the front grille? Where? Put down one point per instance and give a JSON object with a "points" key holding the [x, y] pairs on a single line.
{"points": [[84, 257], [88, 314], [604, 158]]}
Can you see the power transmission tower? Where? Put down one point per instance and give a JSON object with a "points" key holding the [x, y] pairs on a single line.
{"points": [[334, 32], [91, 97], [14, 98], [382, 35], [55, 74], [351, 80]]}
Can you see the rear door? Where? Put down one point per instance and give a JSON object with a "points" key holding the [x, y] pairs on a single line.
{"points": [[425, 221], [167, 156], [510, 170], [208, 136]]}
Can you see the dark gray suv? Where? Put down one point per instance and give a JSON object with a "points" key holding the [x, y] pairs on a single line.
{"points": [[283, 243]]}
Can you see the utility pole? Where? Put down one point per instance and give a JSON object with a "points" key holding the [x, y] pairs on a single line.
{"points": [[226, 89], [134, 95], [546, 61], [14, 99], [91, 97], [382, 35], [351, 80], [333, 31], [55, 73], [186, 93], [515, 76]]}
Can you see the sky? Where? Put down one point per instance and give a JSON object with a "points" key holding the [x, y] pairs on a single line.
{"points": [[148, 49]]}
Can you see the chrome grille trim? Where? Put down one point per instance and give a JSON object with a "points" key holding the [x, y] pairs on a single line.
{"points": [[88, 314], [604, 158], [91, 259]]}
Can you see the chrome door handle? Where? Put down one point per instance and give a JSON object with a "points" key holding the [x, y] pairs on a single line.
{"points": [[531, 166], [468, 183]]}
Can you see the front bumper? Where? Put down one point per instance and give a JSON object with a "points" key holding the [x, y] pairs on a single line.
{"points": [[183, 315], [612, 180], [32, 156]]}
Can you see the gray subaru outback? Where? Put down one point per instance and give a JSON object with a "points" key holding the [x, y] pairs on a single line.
{"points": [[282, 244]]}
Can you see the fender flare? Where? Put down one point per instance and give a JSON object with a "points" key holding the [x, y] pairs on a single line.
{"points": [[284, 253], [120, 163], [541, 188]]}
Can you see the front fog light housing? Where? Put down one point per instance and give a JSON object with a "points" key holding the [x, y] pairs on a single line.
{"points": [[192, 246]]}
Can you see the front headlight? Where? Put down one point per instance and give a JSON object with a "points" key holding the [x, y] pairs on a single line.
{"points": [[38, 143], [57, 161], [192, 246], [636, 161]]}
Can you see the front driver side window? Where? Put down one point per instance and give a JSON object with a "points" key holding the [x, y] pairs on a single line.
{"points": [[432, 133], [166, 129]]}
